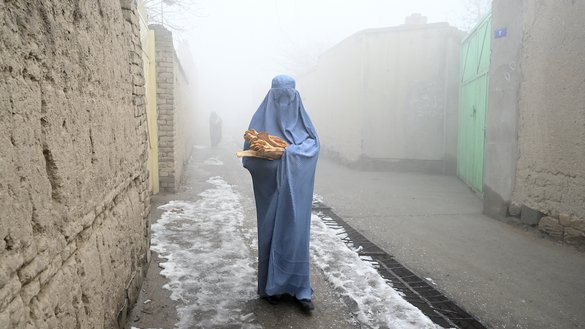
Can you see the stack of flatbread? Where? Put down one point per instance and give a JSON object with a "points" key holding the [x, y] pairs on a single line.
{"points": [[263, 145]]}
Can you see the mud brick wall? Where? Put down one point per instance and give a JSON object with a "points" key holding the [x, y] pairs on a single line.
{"points": [[550, 177], [173, 111], [74, 184]]}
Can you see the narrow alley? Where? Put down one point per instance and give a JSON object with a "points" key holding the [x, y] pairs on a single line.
{"points": [[206, 237], [427, 164]]}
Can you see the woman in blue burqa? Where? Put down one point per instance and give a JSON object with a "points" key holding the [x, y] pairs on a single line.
{"points": [[283, 190]]}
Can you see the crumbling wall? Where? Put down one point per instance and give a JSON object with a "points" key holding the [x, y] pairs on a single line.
{"points": [[550, 176], [73, 188]]}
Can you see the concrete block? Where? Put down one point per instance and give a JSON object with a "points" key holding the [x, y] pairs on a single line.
{"points": [[564, 219], [514, 209], [578, 224], [530, 216], [574, 237], [551, 226]]}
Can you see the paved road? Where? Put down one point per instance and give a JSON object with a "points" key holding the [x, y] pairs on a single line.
{"points": [[507, 276], [155, 307]]}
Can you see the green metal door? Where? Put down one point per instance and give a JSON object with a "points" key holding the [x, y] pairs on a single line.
{"points": [[475, 64]]}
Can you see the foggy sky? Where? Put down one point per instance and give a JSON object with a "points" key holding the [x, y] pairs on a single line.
{"points": [[239, 45]]}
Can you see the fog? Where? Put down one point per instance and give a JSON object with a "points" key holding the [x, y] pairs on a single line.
{"points": [[238, 46]]}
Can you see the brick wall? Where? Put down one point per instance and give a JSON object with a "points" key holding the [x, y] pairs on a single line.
{"points": [[73, 189], [173, 111]]}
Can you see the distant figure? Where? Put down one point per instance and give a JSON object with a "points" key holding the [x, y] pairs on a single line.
{"points": [[215, 128], [283, 190]]}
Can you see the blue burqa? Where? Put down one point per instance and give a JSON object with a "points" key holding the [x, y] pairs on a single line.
{"points": [[284, 191]]}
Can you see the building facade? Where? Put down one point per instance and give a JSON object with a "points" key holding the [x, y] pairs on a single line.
{"points": [[535, 127], [387, 98]]}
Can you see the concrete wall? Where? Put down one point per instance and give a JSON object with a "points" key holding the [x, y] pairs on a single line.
{"points": [[411, 93], [174, 112], [74, 184], [538, 93], [333, 95], [501, 142], [388, 97]]}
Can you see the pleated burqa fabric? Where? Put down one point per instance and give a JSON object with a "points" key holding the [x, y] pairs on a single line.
{"points": [[283, 190]]}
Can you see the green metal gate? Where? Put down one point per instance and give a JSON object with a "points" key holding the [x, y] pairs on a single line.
{"points": [[475, 64]]}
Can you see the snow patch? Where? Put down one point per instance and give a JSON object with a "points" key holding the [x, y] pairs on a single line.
{"points": [[213, 162], [317, 198], [355, 278], [208, 264]]}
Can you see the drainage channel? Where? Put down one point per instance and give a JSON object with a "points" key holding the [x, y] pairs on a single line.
{"points": [[415, 290]]}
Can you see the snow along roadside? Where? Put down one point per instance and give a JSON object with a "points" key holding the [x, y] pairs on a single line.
{"points": [[375, 303], [204, 244]]}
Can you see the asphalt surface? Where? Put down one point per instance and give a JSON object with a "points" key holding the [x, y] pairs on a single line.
{"points": [[505, 275]]}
